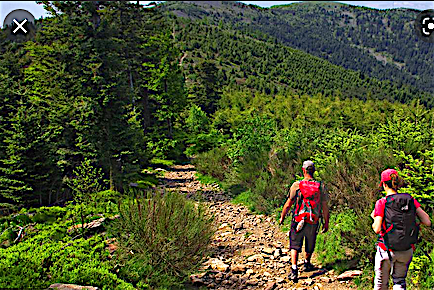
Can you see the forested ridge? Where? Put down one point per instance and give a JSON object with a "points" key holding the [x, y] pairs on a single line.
{"points": [[378, 43], [242, 60], [107, 96]]}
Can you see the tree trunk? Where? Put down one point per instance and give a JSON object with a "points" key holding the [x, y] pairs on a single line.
{"points": [[169, 123], [112, 186]]}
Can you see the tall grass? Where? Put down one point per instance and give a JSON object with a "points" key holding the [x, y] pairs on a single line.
{"points": [[162, 238]]}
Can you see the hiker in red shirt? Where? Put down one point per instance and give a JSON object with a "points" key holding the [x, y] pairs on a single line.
{"points": [[395, 222], [310, 198]]}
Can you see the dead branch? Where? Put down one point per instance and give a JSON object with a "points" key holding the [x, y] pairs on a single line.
{"points": [[21, 232]]}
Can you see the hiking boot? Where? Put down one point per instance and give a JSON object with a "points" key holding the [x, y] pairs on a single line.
{"points": [[293, 276], [307, 267]]}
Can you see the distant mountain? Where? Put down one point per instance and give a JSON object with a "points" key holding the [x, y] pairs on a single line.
{"points": [[377, 43], [215, 54]]}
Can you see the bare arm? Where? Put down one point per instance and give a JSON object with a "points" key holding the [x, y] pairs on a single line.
{"points": [[326, 215], [289, 202], [423, 216], [376, 226]]}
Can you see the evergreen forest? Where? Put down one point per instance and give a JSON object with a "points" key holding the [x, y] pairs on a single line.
{"points": [[107, 95]]}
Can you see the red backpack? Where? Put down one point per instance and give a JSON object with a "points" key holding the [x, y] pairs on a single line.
{"points": [[309, 202]]}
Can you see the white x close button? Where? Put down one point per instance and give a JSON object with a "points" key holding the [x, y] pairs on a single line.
{"points": [[20, 26]]}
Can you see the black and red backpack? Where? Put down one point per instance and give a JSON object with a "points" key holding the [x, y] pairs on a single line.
{"points": [[308, 205], [400, 229]]}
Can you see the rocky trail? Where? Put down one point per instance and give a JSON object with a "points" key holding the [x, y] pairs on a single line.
{"points": [[248, 251]]}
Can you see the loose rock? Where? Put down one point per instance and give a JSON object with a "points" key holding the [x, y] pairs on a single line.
{"points": [[254, 258], [270, 286], [252, 282], [325, 279], [268, 251], [308, 282], [277, 253], [349, 274], [240, 268], [217, 264]]}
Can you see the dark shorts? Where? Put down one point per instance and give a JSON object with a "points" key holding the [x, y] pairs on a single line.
{"points": [[308, 232]]}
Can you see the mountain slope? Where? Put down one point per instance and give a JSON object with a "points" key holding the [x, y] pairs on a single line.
{"points": [[270, 67], [378, 43]]}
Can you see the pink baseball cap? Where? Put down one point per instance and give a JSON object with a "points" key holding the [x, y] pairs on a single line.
{"points": [[385, 175]]}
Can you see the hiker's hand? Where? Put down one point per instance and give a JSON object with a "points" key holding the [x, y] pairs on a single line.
{"points": [[281, 221], [325, 228], [372, 214]]}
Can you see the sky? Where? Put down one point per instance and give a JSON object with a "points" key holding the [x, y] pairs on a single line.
{"points": [[38, 10]]}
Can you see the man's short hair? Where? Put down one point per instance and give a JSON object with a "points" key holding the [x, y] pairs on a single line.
{"points": [[309, 166]]}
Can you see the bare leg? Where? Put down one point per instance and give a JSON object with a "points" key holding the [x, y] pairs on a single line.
{"points": [[294, 257]]}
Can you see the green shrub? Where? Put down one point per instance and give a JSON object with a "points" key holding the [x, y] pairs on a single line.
{"points": [[402, 133], [419, 176], [201, 137], [365, 281], [250, 139], [206, 179], [332, 248], [106, 201], [48, 214], [246, 198], [214, 163], [86, 181], [197, 120], [163, 147], [203, 142], [160, 161], [45, 258], [421, 269], [162, 239]]}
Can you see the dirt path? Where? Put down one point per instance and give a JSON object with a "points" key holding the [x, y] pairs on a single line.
{"points": [[249, 251]]}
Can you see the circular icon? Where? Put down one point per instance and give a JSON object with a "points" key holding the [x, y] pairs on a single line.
{"points": [[20, 25], [424, 26]]}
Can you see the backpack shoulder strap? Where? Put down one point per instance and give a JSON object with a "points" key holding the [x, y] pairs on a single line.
{"points": [[385, 237], [298, 199]]}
